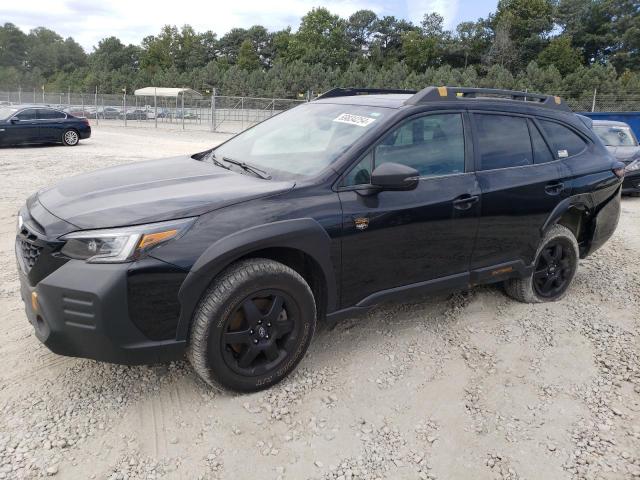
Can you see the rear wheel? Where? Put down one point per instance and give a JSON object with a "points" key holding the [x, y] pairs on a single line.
{"points": [[70, 137], [252, 326], [555, 267]]}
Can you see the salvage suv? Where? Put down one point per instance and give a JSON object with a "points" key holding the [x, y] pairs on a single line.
{"points": [[233, 255]]}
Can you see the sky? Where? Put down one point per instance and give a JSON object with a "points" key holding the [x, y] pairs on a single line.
{"points": [[131, 20]]}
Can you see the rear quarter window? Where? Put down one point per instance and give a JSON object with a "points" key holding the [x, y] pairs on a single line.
{"points": [[564, 141]]}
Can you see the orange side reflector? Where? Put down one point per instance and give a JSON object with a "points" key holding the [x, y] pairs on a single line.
{"points": [[34, 302], [151, 239], [442, 91]]}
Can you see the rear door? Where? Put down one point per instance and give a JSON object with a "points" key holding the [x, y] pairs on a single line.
{"points": [[398, 238], [25, 129], [521, 183], [52, 124]]}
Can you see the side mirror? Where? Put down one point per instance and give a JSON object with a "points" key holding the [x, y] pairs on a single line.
{"points": [[15, 120], [394, 176]]}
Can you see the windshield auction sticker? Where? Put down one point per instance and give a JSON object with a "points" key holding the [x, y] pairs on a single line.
{"points": [[354, 119]]}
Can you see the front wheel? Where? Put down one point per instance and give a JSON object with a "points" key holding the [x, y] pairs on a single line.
{"points": [[70, 138], [555, 267], [252, 326]]}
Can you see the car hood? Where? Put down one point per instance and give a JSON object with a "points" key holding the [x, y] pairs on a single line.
{"points": [[151, 191], [625, 154]]}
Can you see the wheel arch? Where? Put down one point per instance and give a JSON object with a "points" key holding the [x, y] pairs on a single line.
{"points": [[574, 213], [301, 244]]}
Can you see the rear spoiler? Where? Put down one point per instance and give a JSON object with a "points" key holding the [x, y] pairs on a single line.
{"points": [[586, 120]]}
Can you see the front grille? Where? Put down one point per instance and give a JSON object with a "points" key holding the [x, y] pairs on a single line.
{"points": [[30, 253], [29, 247]]}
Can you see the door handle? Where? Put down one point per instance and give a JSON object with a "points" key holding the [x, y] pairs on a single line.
{"points": [[554, 188], [465, 202]]}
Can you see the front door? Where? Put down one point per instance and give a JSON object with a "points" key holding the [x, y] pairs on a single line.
{"points": [[397, 238], [22, 128]]}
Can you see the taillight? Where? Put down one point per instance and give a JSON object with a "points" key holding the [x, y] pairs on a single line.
{"points": [[85, 121]]}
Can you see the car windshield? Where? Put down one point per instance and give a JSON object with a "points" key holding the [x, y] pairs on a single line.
{"points": [[616, 136], [302, 141], [6, 112]]}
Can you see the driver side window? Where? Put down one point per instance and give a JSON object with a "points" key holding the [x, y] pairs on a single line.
{"points": [[28, 114], [432, 144]]}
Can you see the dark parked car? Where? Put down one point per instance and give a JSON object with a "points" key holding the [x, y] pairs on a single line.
{"points": [[25, 124], [137, 114], [623, 144], [109, 113], [234, 254]]}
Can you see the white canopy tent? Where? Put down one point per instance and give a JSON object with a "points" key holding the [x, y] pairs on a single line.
{"points": [[176, 93], [166, 92]]}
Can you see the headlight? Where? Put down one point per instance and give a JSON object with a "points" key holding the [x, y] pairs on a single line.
{"points": [[633, 166], [20, 223], [116, 245]]}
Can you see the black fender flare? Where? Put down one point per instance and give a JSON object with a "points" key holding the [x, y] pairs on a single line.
{"points": [[582, 201], [303, 234]]}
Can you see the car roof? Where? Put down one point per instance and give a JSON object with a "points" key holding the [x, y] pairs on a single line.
{"points": [[399, 100], [387, 100], [32, 105], [609, 123]]}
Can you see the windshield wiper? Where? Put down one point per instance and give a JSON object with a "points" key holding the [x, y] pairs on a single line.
{"points": [[248, 168], [216, 162]]}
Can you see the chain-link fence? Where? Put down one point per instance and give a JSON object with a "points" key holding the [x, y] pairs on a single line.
{"points": [[602, 102], [230, 114], [215, 113]]}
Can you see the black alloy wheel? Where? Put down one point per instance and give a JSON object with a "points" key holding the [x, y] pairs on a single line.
{"points": [[554, 269], [261, 333]]}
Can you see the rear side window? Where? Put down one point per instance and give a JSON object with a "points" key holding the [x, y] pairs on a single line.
{"points": [[46, 114], [541, 152], [504, 141], [564, 141], [28, 114]]}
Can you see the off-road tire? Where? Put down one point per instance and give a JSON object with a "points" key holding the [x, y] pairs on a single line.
{"points": [[218, 304], [523, 289]]}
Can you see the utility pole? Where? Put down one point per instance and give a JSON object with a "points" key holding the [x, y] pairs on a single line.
{"points": [[124, 105]]}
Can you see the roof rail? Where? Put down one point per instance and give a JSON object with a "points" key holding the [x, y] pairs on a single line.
{"points": [[349, 92], [440, 94]]}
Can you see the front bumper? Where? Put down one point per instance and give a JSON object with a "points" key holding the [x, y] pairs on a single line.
{"points": [[81, 310]]}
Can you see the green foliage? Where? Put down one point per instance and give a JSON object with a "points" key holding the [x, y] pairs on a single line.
{"points": [[556, 46], [562, 55], [247, 56]]}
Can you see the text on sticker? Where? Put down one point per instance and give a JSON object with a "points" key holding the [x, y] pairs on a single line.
{"points": [[354, 119]]}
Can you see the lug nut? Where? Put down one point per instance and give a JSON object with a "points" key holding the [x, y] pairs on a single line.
{"points": [[269, 324], [251, 332], [267, 337], [255, 340], [259, 322]]}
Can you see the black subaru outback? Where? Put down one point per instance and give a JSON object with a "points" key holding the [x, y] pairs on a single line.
{"points": [[233, 255]]}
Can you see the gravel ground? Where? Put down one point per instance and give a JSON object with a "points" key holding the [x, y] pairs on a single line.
{"points": [[465, 386]]}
